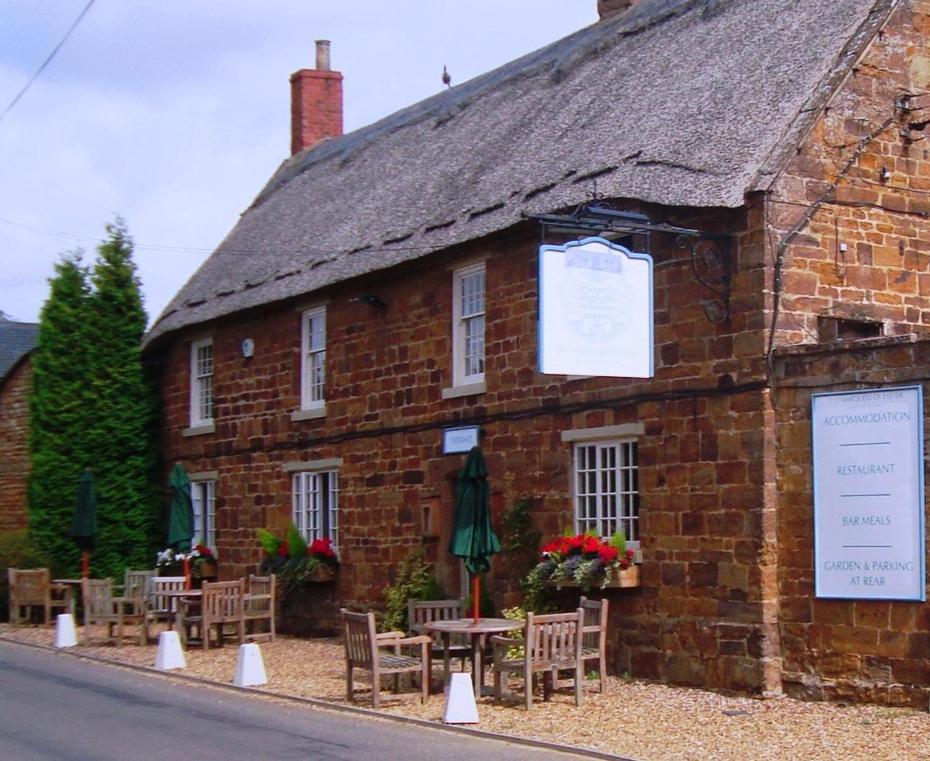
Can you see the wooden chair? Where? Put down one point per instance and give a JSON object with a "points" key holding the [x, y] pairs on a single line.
{"points": [[594, 637], [551, 643], [219, 605], [259, 605], [160, 607], [102, 607], [364, 645], [33, 589], [422, 612], [134, 582]]}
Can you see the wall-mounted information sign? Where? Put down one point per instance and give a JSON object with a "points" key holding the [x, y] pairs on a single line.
{"points": [[869, 494], [459, 440], [595, 310]]}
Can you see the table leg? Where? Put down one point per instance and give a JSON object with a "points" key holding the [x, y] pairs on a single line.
{"points": [[476, 667], [446, 638]]}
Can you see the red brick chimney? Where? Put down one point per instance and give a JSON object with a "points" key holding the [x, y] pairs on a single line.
{"points": [[316, 102], [607, 8]]}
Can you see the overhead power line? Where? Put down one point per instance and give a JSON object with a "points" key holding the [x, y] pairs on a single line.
{"points": [[47, 61]]}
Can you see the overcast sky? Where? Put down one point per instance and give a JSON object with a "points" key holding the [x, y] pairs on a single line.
{"points": [[174, 113]]}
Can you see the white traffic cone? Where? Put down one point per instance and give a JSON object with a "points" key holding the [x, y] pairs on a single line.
{"points": [[65, 633], [250, 670], [169, 655], [460, 701]]}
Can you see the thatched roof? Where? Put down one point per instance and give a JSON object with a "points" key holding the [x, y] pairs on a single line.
{"points": [[677, 102]]}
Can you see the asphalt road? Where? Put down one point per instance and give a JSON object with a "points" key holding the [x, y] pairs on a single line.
{"points": [[54, 707]]}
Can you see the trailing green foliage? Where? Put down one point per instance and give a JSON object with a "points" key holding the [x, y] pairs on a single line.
{"points": [[520, 537], [92, 407], [414, 580]]}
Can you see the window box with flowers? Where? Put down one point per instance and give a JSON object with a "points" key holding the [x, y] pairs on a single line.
{"points": [[588, 562], [295, 562], [202, 563]]}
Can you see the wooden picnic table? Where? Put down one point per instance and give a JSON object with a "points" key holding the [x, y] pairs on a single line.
{"points": [[477, 632]]}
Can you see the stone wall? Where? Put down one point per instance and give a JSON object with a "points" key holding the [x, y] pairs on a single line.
{"points": [[848, 217], [866, 650], [14, 446], [702, 615]]}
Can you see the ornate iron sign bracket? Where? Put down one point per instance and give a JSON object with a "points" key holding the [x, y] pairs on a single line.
{"points": [[709, 253]]}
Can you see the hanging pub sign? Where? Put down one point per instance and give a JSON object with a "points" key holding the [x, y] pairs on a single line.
{"points": [[595, 310], [868, 454]]}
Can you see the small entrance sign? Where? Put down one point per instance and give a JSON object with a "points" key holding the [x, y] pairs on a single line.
{"points": [[869, 494], [459, 440], [595, 310]]}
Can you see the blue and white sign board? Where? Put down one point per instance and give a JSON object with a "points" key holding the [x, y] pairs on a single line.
{"points": [[595, 310], [459, 440], [868, 459]]}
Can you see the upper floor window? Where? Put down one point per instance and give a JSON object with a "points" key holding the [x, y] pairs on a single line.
{"points": [[606, 488], [315, 505], [204, 504], [313, 364], [468, 325], [202, 382]]}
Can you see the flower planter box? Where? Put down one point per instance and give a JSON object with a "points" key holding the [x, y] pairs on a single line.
{"points": [[622, 580], [322, 574]]}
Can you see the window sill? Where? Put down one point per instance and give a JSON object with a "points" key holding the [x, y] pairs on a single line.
{"points": [[199, 430], [466, 389], [314, 413]]}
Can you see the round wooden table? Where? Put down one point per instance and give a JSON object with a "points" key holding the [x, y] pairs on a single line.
{"points": [[477, 631]]}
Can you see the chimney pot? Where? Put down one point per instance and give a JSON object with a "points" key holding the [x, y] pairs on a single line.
{"points": [[322, 55]]}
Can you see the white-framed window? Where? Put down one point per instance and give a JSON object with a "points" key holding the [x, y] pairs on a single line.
{"points": [[202, 382], [313, 359], [606, 488], [315, 505], [468, 325], [203, 500]]}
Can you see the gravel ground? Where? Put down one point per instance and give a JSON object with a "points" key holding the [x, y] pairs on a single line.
{"points": [[644, 721]]}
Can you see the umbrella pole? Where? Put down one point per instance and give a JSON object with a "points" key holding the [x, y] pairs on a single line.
{"points": [[187, 573], [476, 602], [85, 564]]}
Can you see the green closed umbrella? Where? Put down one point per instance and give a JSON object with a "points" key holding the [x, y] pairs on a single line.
{"points": [[84, 525], [180, 511], [473, 539]]}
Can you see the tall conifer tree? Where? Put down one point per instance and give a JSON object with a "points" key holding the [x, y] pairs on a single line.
{"points": [[58, 413], [121, 432]]}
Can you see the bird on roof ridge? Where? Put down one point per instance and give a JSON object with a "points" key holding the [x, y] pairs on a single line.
{"points": [[446, 79]]}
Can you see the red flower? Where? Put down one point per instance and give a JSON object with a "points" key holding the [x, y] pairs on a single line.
{"points": [[282, 550], [573, 542], [590, 545], [607, 553], [321, 547], [553, 546], [202, 549]]}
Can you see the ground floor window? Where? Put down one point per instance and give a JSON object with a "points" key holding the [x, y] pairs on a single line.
{"points": [[606, 488], [315, 505], [204, 503]]}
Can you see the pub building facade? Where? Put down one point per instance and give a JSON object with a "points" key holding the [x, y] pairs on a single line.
{"points": [[383, 288]]}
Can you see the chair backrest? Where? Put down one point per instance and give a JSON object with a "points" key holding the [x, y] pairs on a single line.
{"points": [[134, 584], [97, 595], [359, 638], [595, 623], [222, 601], [156, 586], [554, 638], [29, 587], [261, 592], [421, 612]]}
